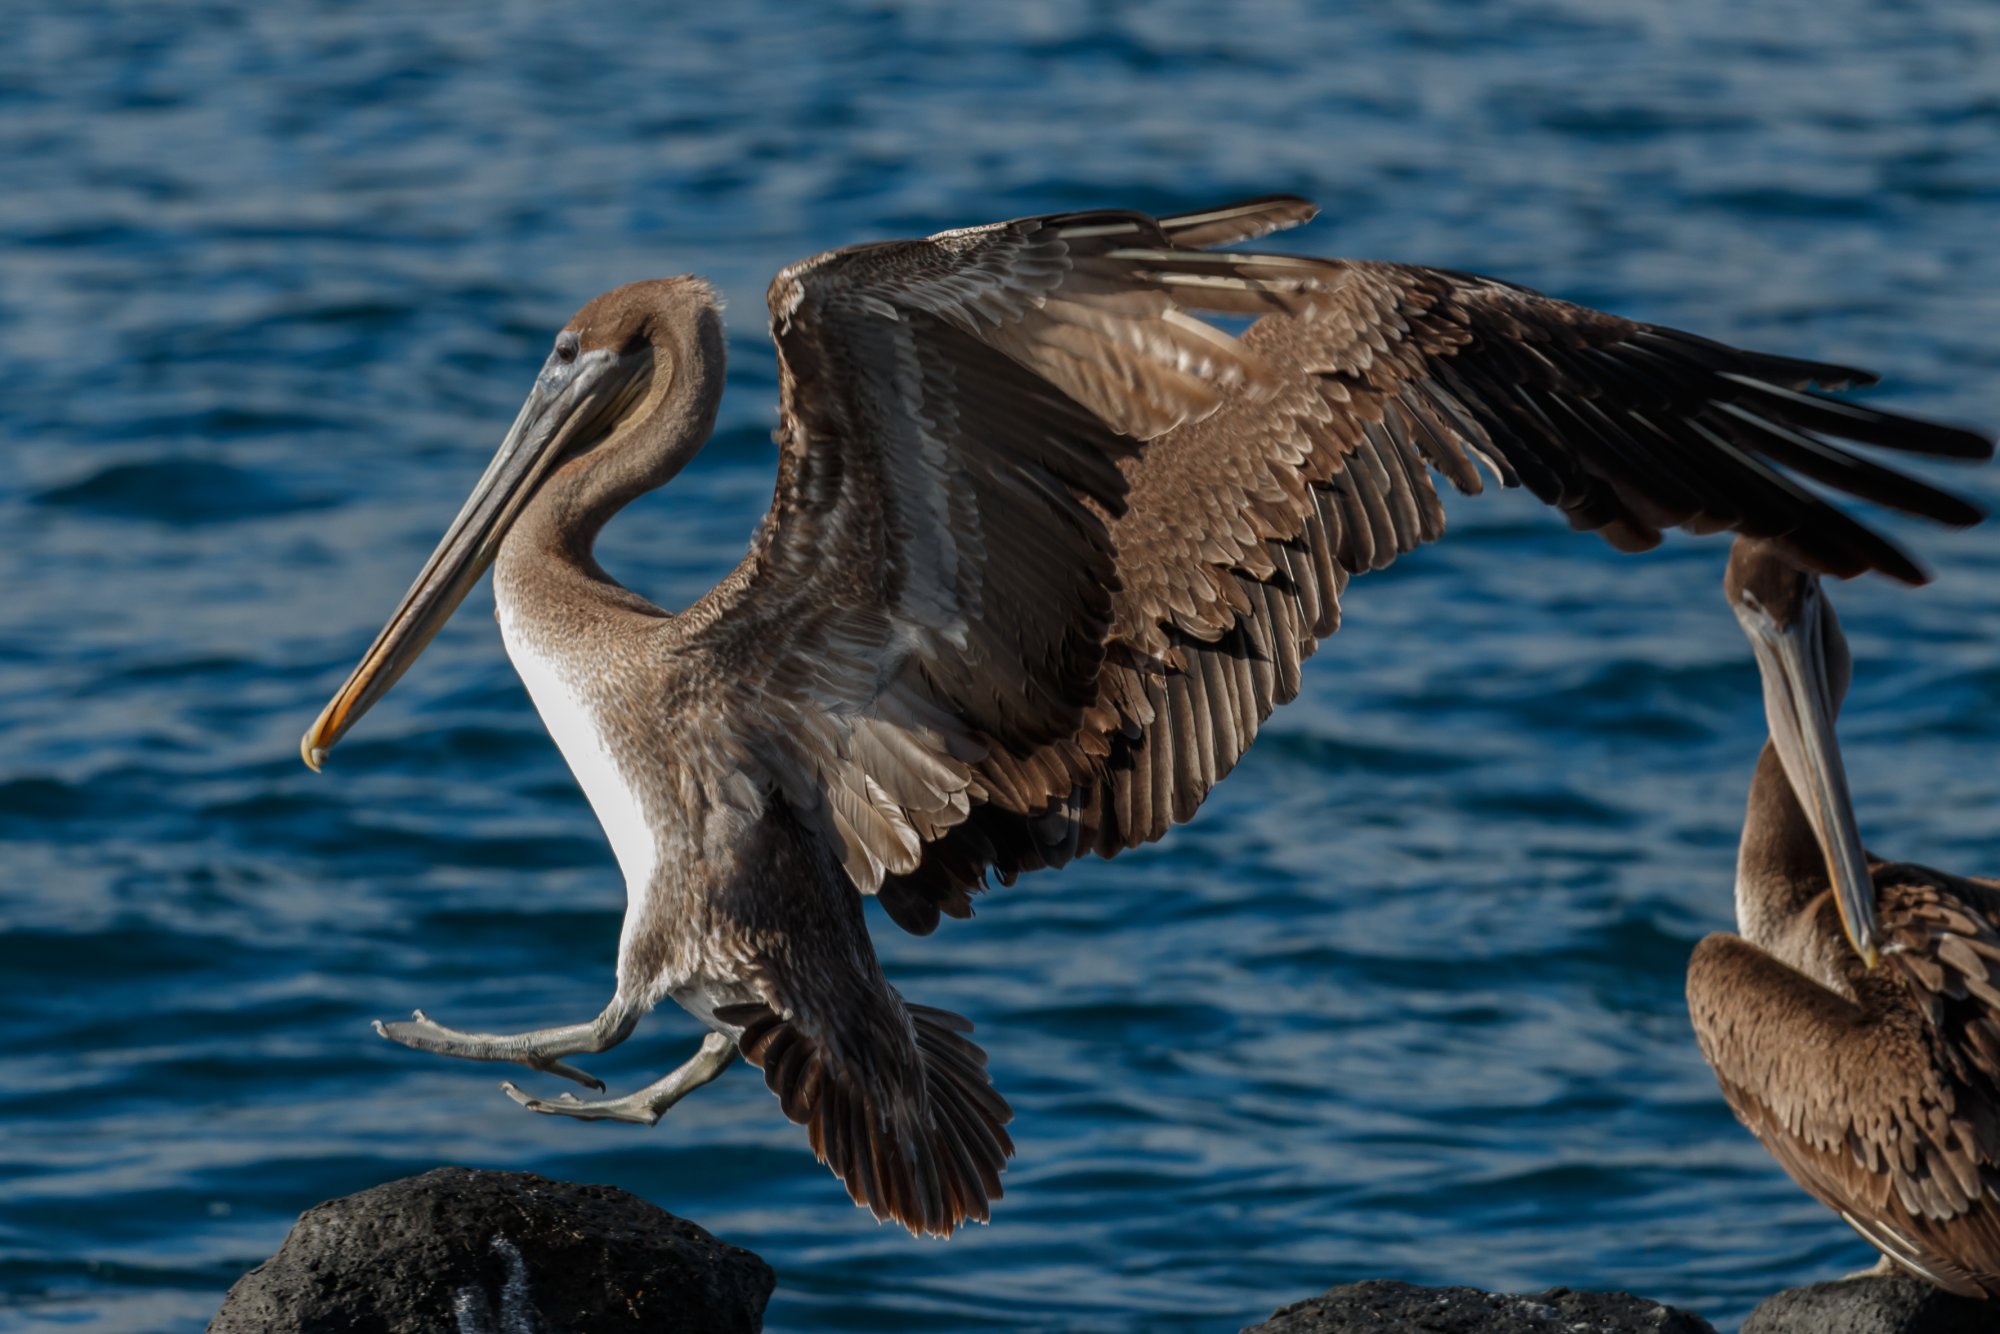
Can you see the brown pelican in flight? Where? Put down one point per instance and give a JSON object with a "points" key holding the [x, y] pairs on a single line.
{"points": [[1854, 1024], [1046, 549]]}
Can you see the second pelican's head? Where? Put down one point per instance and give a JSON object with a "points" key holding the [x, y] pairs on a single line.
{"points": [[626, 396], [1803, 658]]}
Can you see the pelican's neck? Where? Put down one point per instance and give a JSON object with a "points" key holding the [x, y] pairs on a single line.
{"points": [[1780, 866], [546, 572], [545, 562]]}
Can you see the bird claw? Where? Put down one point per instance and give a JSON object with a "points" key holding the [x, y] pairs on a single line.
{"points": [[570, 1072], [568, 1104]]}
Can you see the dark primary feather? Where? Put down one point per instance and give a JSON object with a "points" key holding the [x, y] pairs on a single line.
{"points": [[1046, 549]]}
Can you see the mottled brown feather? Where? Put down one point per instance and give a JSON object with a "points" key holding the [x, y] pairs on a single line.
{"points": [[1884, 1105]]}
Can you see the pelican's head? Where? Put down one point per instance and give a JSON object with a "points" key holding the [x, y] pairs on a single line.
{"points": [[1806, 667], [631, 380]]}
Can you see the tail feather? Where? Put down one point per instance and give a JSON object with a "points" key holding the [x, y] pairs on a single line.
{"points": [[927, 1153]]}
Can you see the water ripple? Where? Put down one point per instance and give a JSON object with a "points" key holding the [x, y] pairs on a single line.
{"points": [[1404, 1001]]}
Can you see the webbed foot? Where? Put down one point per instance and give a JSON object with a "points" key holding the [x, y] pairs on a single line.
{"points": [[646, 1106], [538, 1050]]}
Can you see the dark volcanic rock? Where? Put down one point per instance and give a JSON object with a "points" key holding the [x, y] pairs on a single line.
{"points": [[1384, 1307], [1873, 1304], [465, 1252]]}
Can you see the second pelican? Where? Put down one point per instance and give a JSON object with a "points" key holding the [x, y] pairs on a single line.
{"points": [[1854, 1024]]}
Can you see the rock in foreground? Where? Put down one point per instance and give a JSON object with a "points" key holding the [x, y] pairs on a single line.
{"points": [[1381, 1306], [466, 1252], [1874, 1304]]}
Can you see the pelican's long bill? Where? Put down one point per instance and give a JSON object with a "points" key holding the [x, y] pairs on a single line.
{"points": [[1799, 707], [573, 397]]}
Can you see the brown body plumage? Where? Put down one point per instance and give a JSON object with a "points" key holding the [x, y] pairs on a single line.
{"points": [[1877, 1089], [1045, 551]]}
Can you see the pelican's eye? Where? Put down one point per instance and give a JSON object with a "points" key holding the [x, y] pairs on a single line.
{"points": [[566, 347]]}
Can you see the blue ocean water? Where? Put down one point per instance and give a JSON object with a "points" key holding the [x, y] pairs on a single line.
{"points": [[1405, 1000]]}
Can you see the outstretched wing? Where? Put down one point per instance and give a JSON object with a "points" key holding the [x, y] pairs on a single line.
{"points": [[1046, 548], [935, 582]]}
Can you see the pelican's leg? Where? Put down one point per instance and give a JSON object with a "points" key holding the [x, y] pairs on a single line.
{"points": [[645, 1106], [537, 1050]]}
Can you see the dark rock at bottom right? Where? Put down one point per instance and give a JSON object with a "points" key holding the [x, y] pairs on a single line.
{"points": [[1872, 1304], [1382, 1306]]}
